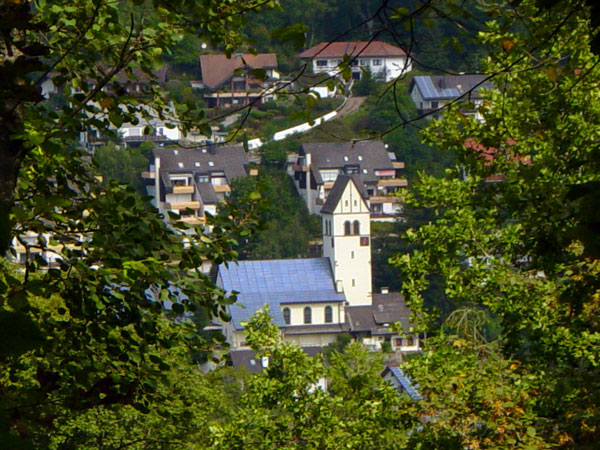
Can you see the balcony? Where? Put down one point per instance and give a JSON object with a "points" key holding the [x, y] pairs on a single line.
{"points": [[183, 189], [396, 182], [382, 199], [183, 205], [192, 220], [222, 188]]}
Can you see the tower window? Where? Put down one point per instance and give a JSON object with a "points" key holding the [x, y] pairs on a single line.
{"points": [[356, 227], [286, 316], [307, 315], [328, 314], [347, 230], [353, 282], [352, 255]]}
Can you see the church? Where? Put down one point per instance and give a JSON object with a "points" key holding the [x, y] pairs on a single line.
{"points": [[313, 300]]}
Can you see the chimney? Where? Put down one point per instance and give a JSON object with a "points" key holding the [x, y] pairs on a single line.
{"points": [[309, 201], [385, 290], [157, 182]]}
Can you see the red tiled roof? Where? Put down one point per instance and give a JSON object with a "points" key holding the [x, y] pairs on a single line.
{"points": [[362, 48], [216, 69]]}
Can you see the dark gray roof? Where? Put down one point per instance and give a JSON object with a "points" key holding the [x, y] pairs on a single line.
{"points": [[386, 309], [317, 328], [276, 282], [229, 159], [335, 194], [207, 193], [367, 155], [247, 358], [446, 87]]}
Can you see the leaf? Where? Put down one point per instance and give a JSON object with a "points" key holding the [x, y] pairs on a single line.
{"points": [[507, 45], [116, 119], [18, 334]]}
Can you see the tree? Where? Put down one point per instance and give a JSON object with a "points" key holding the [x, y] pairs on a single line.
{"points": [[283, 406], [88, 331], [522, 247], [288, 227]]}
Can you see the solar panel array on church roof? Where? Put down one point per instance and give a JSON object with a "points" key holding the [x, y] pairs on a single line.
{"points": [[277, 282]]}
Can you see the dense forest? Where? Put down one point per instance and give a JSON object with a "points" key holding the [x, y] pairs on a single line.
{"points": [[96, 349]]}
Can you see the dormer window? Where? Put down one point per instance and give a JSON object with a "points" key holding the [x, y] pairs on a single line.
{"points": [[346, 158], [211, 164], [180, 165], [359, 158], [197, 164], [176, 152], [365, 171]]}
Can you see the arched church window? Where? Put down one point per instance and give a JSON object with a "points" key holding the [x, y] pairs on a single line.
{"points": [[287, 316], [356, 227], [347, 228], [307, 315], [328, 314]]}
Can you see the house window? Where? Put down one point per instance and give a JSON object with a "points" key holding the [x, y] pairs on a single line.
{"points": [[409, 341], [364, 241], [434, 105], [356, 227], [376, 62], [328, 314], [286, 316], [321, 63], [307, 315], [202, 178], [397, 342], [364, 62], [347, 230]]}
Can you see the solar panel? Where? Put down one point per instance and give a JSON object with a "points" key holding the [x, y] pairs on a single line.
{"points": [[407, 385]]}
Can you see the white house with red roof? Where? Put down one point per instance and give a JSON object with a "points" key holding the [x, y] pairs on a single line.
{"points": [[385, 61]]}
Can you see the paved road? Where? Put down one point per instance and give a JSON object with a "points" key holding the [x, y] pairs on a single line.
{"points": [[351, 106]]}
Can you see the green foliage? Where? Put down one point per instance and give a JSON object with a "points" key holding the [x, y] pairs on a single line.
{"points": [[367, 85], [288, 226], [91, 323], [283, 407], [519, 247], [124, 165]]}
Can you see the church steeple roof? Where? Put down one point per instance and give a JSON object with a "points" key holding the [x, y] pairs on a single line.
{"points": [[337, 190]]}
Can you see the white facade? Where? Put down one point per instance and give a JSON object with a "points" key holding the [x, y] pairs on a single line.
{"points": [[318, 315], [381, 67], [347, 244]]}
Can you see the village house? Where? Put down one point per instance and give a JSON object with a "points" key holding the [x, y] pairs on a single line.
{"points": [[183, 180], [375, 170], [386, 62], [431, 92], [314, 300], [234, 82]]}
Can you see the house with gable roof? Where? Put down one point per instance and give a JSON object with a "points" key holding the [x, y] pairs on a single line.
{"points": [[182, 180], [430, 93], [375, 170], [385, 61], [314, 300], [230, 82]]}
